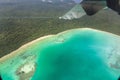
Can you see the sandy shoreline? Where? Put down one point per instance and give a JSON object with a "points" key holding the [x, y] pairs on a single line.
{"points": [[44, 37], [23, 47]]}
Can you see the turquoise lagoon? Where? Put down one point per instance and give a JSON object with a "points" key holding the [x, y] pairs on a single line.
{"points": [[77, 54]]}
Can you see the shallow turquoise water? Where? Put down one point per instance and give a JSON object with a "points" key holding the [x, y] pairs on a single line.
{"points": [[74, 59], [72, 55]]}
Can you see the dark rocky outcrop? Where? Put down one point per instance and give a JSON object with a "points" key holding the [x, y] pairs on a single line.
{"points": [[0, 77], [118, 78]]}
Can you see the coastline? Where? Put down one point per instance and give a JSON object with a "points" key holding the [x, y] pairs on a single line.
{"points": [[12, 54], [23, 47]]}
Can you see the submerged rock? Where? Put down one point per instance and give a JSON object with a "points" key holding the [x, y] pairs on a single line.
{"points": [[0, 78], [77, 54]]}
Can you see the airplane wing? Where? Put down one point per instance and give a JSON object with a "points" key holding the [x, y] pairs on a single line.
{"points": [[114, 5], [92, 7]]}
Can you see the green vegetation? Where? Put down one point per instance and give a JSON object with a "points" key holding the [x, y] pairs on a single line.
{"points": [[15, 32], [25, 21]]}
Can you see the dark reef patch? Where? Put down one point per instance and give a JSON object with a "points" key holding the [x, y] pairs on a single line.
{"points": [[0, 77], [118, 78]]}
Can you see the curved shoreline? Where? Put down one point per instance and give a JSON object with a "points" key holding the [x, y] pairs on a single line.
{"points": [[13, 53], [15, 62]]}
